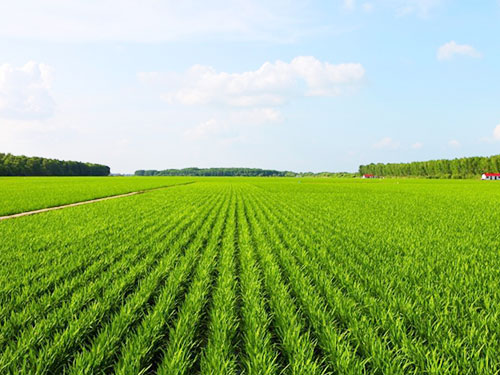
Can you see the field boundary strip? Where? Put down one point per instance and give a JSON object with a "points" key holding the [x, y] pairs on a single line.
{"points": [[74, 204]]}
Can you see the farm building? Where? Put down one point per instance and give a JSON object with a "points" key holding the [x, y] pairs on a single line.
{"points": [[490, 176], [368, 176]]}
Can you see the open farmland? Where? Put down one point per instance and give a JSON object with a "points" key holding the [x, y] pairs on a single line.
{"points": [[20, 194], [257, 276]]}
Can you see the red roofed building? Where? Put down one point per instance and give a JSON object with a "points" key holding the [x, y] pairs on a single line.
{"points": [[490, 176], [368, 176]]}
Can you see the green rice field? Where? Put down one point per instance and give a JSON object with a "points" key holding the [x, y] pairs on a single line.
{"points": [[250, 276], [19, 194]]}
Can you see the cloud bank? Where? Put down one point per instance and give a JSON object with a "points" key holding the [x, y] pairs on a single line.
{"points": [[149, 21], [25, 91], [271, 85], [153, 21]]}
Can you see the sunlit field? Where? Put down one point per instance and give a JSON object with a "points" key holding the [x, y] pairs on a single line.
{"points": [[19, 194], [251, 275]]}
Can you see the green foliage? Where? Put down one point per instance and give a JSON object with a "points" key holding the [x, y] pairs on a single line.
{"points": [[11, 165], [242, 172], [471, 167], [255, 172], [257, 276]]}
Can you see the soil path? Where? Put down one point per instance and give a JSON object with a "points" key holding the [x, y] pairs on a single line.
{"points": [[20, 214]]}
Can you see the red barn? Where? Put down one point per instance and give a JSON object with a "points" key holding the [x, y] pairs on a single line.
{"points": [[490, 176]]}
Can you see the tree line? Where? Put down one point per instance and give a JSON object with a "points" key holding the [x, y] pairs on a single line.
{"points": [[216, 172], [12, 165], [248, 172], [457, 168]]}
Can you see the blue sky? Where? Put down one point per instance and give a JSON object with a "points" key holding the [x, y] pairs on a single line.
{"points": [[296, 85]]}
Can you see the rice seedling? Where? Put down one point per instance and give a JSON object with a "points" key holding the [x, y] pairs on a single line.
{"points": [[252, 276]]}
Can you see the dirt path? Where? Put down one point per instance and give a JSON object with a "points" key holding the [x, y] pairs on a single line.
{"points": [[84, 202]]}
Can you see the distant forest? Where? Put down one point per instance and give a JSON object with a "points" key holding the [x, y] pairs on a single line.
{"points": [[215, 172], [255, 172], [456, 168], [11, 165]]}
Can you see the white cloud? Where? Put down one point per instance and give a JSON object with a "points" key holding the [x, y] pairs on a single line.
{"points": [[270, 85], [496, 133], [421, 8], [154, 21], [150, 21], [454, 143], [234, 125], [204, 129], [350, 4], [25, 91], [417, 145], [386, 143], [495, 136], [451, 49], [257, 116], [367, 7]]}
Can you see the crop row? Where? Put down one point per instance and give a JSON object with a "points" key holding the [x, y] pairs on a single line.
{"points": [[255, 277], [20, 194]]}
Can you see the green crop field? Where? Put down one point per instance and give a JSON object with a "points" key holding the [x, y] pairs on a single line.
{"points": [[253, 276], [19, 194]]}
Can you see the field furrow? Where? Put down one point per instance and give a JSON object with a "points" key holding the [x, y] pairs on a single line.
{"points": [[179, 354], [218, 354], [295, 340], [259, 353], [145, 344], [93, 275]]}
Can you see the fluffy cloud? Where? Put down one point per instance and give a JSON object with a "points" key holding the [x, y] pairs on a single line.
{"points": [[234, 124], [494, 137], [451, 49], [496, 133], [270, 85], [25, 91], [387, 143]]}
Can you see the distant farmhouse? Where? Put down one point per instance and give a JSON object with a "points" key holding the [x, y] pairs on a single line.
{"points": [[490, 176], [368, 176]]}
